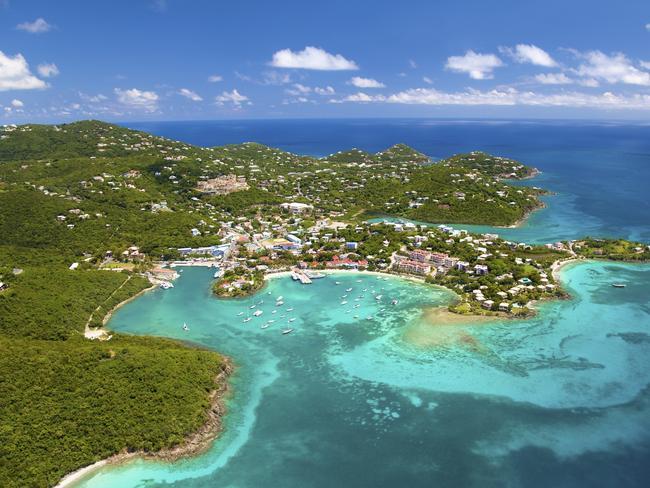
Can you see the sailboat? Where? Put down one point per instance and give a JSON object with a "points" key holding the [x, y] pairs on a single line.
{"points": [[185, 327]]}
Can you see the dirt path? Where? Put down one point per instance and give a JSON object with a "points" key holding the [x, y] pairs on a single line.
{"points": [[101, 332]]}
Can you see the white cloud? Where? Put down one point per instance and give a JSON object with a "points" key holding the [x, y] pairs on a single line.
{"points": [[360, 82], [17, 103], [39, 26], [215, 78], [645, 64], [478, 66], [298, 88], [553, 79], [508, 97], [15, 74], [195, 97], [612, 69], [233, 97], [93, 98], [324, 90], [647, 26], [413, 64], [589, 82], [312, 58], [528, 53], [47, 70], [138, 99], [275, 78], [427, 80], [364, 97]]}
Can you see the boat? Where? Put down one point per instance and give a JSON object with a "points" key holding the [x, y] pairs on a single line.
{"points": [[185, 327], [252, 307], [394, 302], [257, 313], [369, 317], [218, 273], [265, 326], [287, 331], [279, 303], [166, 285], [279, 299], [337, 282], [314, 276], [274, 311], [290, 309], [359, 281], [291, 319], [348, 290], [344, 302], [240, 314], [378, 297], [357, 305], [270, 321], [247, 319], [618, 285]]}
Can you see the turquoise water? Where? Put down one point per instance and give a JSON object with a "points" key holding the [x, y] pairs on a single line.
{"points": [[557, 400]]}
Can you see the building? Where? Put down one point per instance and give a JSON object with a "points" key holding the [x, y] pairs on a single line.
{"points": [[211, 251], [352, 245], [413, 267], [222, 185], [481, 269], [296, 207], [294, 239], [462, 265]]}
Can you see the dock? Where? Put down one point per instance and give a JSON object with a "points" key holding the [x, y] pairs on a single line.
{"points": [[300, 276]]}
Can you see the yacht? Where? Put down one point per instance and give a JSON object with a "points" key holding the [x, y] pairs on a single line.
{"points": [[291, 319], [265, 326], [337, 282], [378, 297], [290, 309], [252, 307], [270, 321], [257, 313], [279, 303], [344, 302]]}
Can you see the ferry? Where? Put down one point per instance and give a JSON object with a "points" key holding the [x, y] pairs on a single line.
{"points": [[185, 327], [287, 331], [258, 313], [166, 285], [247, 319], [618, 285], [314, 276]]}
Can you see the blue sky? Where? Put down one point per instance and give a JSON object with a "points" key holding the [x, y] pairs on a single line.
{"points": [[191, 59]]}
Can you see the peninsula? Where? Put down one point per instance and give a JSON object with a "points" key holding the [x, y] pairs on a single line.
{"points": [[92, 214]]}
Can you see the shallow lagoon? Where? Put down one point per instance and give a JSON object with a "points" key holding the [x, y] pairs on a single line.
{"points": [[557, 400]]}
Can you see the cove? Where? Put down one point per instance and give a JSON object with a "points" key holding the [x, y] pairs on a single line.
{"points": [[554, 400]]}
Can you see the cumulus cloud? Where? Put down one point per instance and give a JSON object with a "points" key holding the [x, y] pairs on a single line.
{"points": [[47, 70], [93, 98], [138, 99], [17, 103], [39, 26], [528, 53], [647, 26], [478, 66], [233, 97], [275, 78], [553, 79], [15, 74], [508, 97], [616, 68], [324, 90], [360, 82], [312, 58], [195, 97], [215, 78]]}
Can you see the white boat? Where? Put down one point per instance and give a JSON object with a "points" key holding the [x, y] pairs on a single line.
{"points": [[274, 311], [394, 302], [270, 321], [337, 282], [166, 285], [314, 276], [369, 317], [185, 327], [240, 314], [247, 319], [279, 303], [359, 281], [219, 273], [287, 331], [618, 285], [257, 313], [378, 297], [291, 319], [348, 290], [290, 309], [357, 305], [265, 326], [252, 307], [344, 302], [279, 299]]}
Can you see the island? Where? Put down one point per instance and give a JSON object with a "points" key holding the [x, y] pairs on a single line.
{"points": [[93, 214]]}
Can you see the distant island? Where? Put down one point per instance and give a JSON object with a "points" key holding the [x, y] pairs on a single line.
{"points": [[92, 214]]}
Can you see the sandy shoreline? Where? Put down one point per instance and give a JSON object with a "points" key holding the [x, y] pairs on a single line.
{"points": [[557, 266], [192, 445]]}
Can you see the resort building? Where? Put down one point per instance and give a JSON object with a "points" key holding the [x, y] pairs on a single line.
{"points": [[296, 207]]}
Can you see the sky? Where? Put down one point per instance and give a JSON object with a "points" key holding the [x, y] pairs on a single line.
{"points": [[142, 60]]}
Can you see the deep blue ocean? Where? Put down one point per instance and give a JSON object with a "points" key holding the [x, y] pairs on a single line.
{"points": [[366, 394], [600, 171]]}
